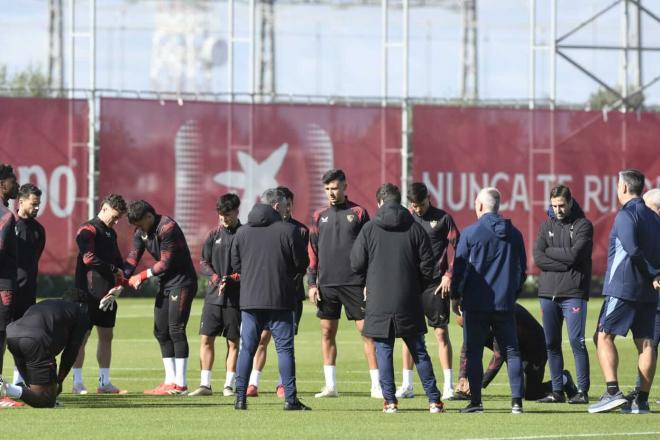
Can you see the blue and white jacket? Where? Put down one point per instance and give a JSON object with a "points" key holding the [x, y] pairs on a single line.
{"points": [[490, 265], [633, 256]]}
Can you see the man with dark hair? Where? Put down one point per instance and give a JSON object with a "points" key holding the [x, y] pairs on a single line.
{"points": [[489, 272], [268, 253], [633, 266], [331, 282], [31, 240], [46, 329], [531, 341], [563, 254], [220, 315], [262, 349], [444, 235], [164, 240], [8, 262], [394, 252], [99, 269]]}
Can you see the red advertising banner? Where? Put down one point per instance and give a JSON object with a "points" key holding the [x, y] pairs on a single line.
{"points": [[181, 158], [45, 141], [458, 151]]}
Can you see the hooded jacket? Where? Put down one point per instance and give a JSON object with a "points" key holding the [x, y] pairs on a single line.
{"points": [[395, 254], [633, 256], [490, 265], [268, 254], [563, 253]]}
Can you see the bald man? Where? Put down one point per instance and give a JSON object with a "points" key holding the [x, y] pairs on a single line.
{"points": [[489, 272]]}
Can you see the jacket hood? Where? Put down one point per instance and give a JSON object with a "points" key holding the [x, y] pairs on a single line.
{"points": [[263, 215], [393, 216], [500, 226], [576, 212]]}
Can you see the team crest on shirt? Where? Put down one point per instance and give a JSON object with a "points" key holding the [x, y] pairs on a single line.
{"points": [[433, 224], [218, 241], [324, 219], [107, 234], [350, 217]]}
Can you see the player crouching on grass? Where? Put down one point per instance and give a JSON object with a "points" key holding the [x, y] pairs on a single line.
{"points": [[46, 329]]}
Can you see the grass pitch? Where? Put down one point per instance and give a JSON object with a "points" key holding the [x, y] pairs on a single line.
{"points": [[137, 366]]}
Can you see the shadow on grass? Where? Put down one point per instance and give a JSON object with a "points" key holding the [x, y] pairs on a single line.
{"points": [[140, 401]]}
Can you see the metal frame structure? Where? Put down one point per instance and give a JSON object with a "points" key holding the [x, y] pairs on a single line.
{"points": [[406, 113], [74, 34]]}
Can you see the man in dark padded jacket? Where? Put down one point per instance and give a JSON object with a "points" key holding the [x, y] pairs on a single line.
{"points": [[563, 253], [268, 254], [395, 254]]}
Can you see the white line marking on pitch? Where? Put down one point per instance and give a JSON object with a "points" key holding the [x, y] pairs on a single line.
{"points": [[600, 434]]}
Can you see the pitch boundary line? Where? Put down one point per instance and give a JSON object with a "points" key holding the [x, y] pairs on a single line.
{"points": [[552, 436]]}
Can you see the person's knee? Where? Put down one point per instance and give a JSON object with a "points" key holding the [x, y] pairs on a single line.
{"points": [[328, 332], [578, 344], [207, 342], [162, 335], [178, 333]]}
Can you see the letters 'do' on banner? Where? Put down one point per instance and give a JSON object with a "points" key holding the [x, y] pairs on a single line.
{"points": [[524, 154], [45, 140], [181, 158]]}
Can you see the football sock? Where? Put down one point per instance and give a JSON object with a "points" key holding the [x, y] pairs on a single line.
{"points": [[612, 388], [17, 377], [643, 396], [254, 378], [375, 382], [206, 378], [181, 371], [14, 391], [170, 369], [104, 376], [77, 376], [446, 373], [330, 373], [407, 378], [230, 378]]}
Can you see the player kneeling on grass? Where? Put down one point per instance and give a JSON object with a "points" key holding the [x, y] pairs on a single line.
{"points": [[395, 253], [46, 329]]}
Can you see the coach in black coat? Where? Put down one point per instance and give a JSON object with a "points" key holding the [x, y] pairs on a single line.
{"points": [[395, 253], [268, 253]]}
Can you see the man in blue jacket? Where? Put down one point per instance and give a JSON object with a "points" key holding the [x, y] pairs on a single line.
{"points": [[268, 254], [633, 265], [489, 272]]}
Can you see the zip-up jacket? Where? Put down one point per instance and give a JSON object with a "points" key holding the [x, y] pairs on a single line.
{"points": [[167, 244], [444, 235], [304, 234], [7, 249], [216, 264], [331, 237], [268, 253], [98, 258], [633, 255], [490, 265], [31, 240], [563, 253]]}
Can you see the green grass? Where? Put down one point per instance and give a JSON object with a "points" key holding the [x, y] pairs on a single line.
{"points": [[137, 366]]}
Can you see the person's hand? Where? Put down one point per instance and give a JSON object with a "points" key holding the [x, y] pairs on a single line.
{"points": [[222, 286], [108, 301], [463, 386], [136, 280], [119, 276], [456, 307], [656, 283], [314, 295], [444, 288]]}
